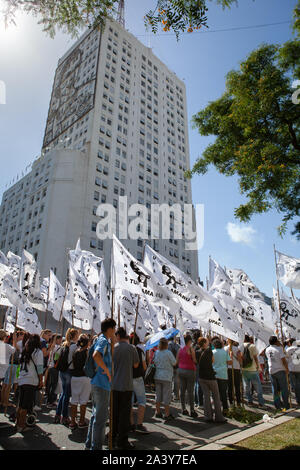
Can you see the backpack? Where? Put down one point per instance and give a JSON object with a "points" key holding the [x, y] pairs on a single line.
{"points": [[90, 367], [62, 363], [247, 360]]}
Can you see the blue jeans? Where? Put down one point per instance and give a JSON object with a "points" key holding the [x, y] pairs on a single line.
{"points": [[63, 403], [198, 393], [295, 384], [96, 432], [279, 384], [252, 378]]}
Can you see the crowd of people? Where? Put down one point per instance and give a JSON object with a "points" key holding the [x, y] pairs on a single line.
{"points": [[110, 370]]}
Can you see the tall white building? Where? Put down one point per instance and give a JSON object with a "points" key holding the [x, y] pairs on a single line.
{"points": [[117, 126]]}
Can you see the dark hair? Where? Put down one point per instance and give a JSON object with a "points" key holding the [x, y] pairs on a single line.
{"points": [[213, 338], [107, 323], [163, 344], [201, 341], [25, 338], [247, 339], [187, 338], [291, 340], [122, 333], [83, 341], [33, 343], [134, 339], [217, 344], [273, 340]]}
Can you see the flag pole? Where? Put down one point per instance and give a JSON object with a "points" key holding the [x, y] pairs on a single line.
{"points": [[11, 367], [12, 356], [110, 435], [281, 329], [46, 313], [136, 313], [232, 372]]}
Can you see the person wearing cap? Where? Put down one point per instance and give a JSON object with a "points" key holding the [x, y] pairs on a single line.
{"points": [[279, 370], [293, 356]]}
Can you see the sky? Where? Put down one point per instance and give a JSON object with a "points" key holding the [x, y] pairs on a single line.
{"points": [[28, 59]]}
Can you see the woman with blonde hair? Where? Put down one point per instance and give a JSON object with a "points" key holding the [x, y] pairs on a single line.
{"points": [[65, 366]]}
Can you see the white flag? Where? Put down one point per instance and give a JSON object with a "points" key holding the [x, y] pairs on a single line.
{"points": [[290, 314], [30, 281], [252, 299], [131, 275], [101, 301], [288, 270], [186, 292], [56, 296], [27, 320]]}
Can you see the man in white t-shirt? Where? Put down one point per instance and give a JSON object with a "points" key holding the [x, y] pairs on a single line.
{"points": [[278, 369], [293, 356]]}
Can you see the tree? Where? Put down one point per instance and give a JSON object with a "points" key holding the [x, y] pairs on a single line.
{"points": [[257, 129], [73, 15]]}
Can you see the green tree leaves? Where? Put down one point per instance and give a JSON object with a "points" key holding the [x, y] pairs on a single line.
{"points": [[257, 129]]}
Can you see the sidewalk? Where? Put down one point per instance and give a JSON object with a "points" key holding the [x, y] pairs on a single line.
{"points": [[184, 433]]}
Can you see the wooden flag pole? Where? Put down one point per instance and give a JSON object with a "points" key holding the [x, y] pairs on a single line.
{"points": [[281, 329], [11, 368], [110, 435], [46, 313], [136, 313], [232, 372]]}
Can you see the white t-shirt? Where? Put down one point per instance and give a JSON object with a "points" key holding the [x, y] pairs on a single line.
{"points": [[235, 350], [31, 375], [274, 355], [52, 354], [293, 356], [6, 350], [20, 345]]}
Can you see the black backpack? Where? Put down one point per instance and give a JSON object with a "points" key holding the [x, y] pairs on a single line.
{"points": [[62, 363], [247, 361]]}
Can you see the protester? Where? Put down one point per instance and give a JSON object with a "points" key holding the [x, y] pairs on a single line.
{"points": [[221, 362], [101, 385], [250, 369], [30, 379], [278, 369], [6, 351], [51, 376], [139, 387], [208, 382], [125, 358], [235, 382], [198, 390], [164, 362], [174, 348], [10, 378], [65, 366], [186, 362], [80, 384], [293, 356]]}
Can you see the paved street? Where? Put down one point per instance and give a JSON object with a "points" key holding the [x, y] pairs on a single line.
{"points": [[182, 434]]}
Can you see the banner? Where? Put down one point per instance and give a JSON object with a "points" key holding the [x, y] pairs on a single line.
{"points": [[131, 275], [27, 320], [290, 315], [288, 270]]}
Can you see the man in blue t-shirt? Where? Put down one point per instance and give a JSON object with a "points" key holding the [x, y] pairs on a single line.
{"points": [[101, 385]]}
